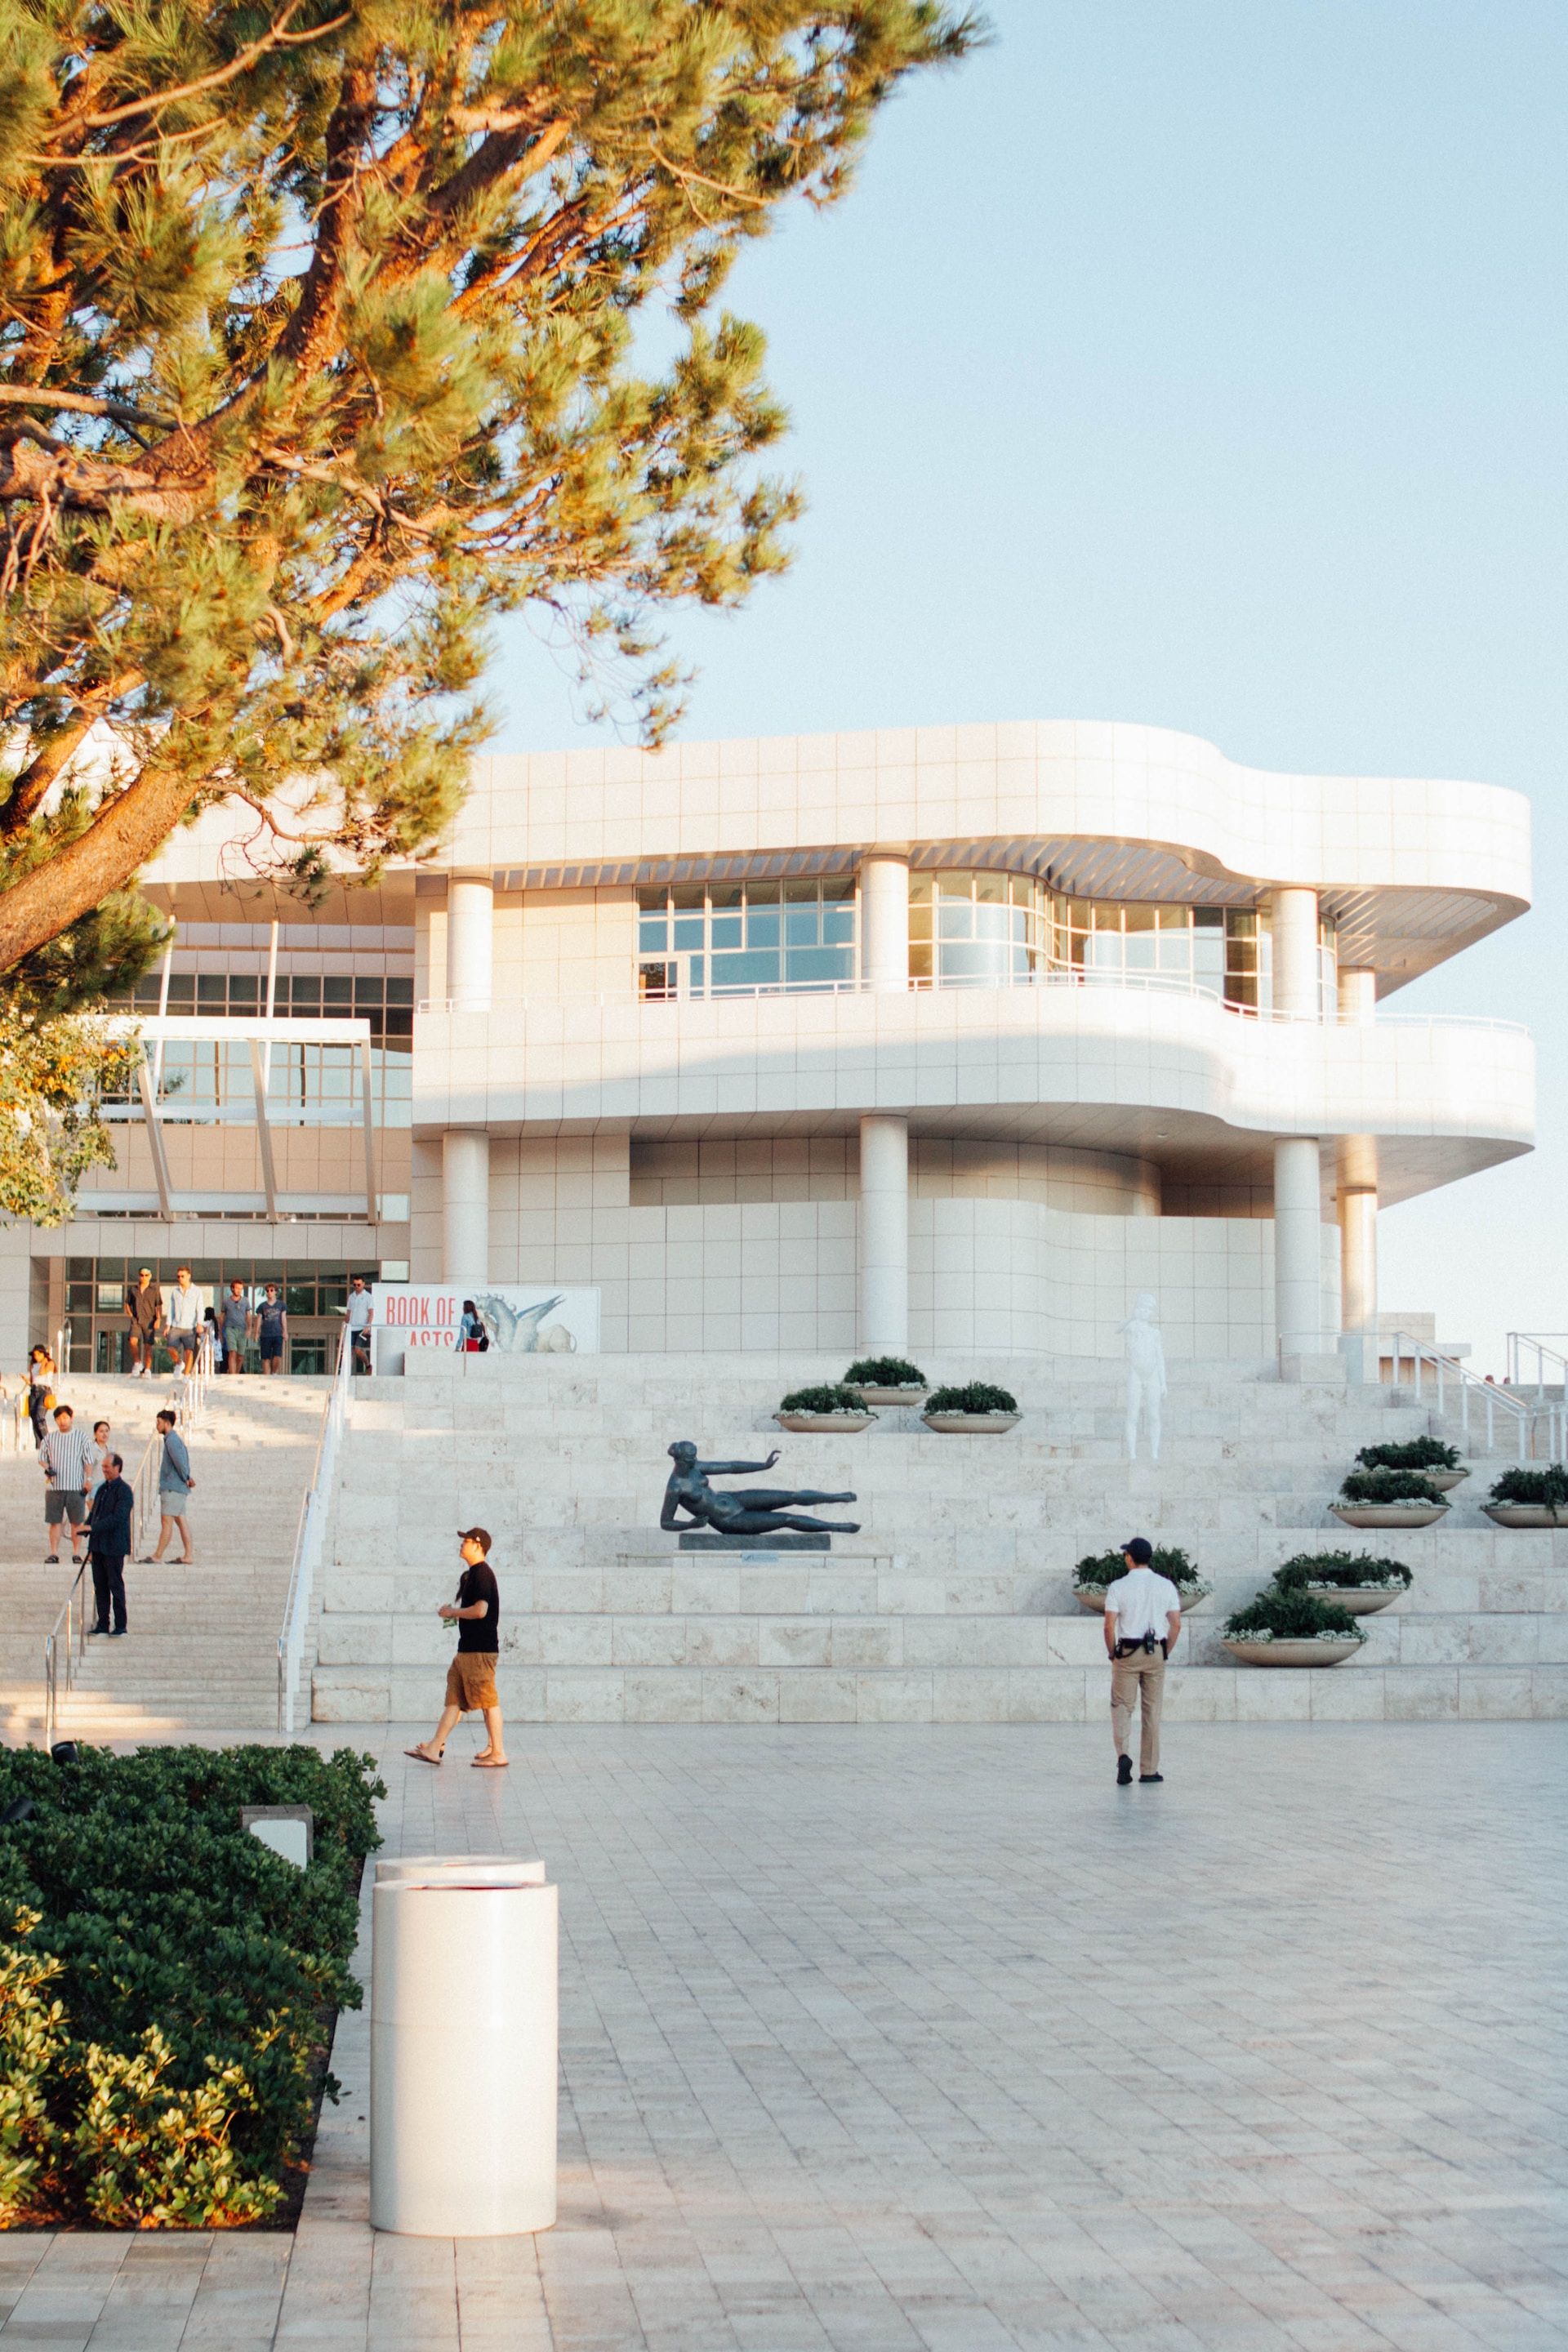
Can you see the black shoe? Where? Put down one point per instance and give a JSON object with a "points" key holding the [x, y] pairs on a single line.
{"points": [[117, 1633], [96, 1628], [1123, 1771], [1144, 1778]]}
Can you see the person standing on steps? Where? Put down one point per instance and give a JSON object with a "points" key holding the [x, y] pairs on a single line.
{"points": [[176, 1488], [1143, 1623], [471, 1676], [108, 1541], [187, 1310], [97, 1455], [360, 1313], [235, 1328], [63, 1456], [40, 1393], [144, 1314], [271, 1330]]}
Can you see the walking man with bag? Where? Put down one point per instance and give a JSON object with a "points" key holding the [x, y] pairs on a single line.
{"points": [[109, 1540], [1143, 1623]]}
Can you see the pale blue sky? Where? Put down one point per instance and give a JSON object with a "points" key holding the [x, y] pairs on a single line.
{"points": [[1199, 364]]}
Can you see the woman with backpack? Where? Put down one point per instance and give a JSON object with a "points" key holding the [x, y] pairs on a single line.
{"points": [[473, 1336]]}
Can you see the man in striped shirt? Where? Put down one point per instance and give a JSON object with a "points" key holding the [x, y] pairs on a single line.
{"points": [[63, 1455]]}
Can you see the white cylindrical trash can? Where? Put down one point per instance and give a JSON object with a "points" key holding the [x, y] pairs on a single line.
{"points": [[463, 2040], [468, 1869]]}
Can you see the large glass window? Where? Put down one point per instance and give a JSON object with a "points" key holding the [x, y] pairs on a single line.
{"points": [[745, 938]]}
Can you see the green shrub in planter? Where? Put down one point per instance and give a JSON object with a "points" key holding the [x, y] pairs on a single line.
{"points": [[1415, 1454], [977, 1396], [1548, 1486], [829, 1398], [1292, 1617], [1100, 1569], [1350, 1571], [167, 1982], [884, 1372], [1389, 1486]]}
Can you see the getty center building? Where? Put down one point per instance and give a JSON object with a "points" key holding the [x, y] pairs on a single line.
{"points": [[940, 1039]]}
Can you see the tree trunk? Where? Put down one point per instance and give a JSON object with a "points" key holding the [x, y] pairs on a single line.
{"points": [[130, 831]]}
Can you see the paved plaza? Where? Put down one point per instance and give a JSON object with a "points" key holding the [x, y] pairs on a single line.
{"points": [[932, 2038]]}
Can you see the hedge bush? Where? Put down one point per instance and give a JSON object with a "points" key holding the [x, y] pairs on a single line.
{"points": [[1389, 1486], [1100, 1569], [1548, 1485], [1413, 1454], [1349, 1569], [884, 1372], [978, 1396], [167, 1982], [1292, 1617], [830, 1398]]}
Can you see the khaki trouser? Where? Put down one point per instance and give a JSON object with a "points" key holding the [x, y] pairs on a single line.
{"points": [[1129, 1677]]}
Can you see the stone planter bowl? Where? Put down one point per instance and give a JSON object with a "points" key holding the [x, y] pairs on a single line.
{"points": [[1093, 1597], [1361, 1599], [1444, 1479], [1330, 1652], [913, 1397], [1388, 1515], [971, 1425], [1527, 1515], [842, 1425]]}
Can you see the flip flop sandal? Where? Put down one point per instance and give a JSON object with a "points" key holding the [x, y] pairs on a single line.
{"points": [[419, 1756], [489, 1764]]}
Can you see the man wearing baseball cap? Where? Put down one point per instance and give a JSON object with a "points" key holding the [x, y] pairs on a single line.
{"points": [[471, 1676], [1143, 1620]]}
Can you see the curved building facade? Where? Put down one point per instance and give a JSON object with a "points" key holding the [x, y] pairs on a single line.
{"points": [[945, 1038]]}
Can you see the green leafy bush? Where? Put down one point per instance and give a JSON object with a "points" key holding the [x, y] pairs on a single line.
{"points": [[1548, 1485], [1389, 1486], [1098, 1569], [978, 1396], [1292, 1617], [830, 1398], [1348, 1569], [168, 1982], [884, 1372], [1413, 1454]]}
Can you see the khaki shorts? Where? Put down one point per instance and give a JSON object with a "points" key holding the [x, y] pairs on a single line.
{"points": [[64, 1502], [471, 1680]]}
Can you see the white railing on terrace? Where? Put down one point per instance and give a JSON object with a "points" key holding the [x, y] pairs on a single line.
{"points": [[1444, 1376], [1137, 983], [1525, 1348], [309, 1539]]}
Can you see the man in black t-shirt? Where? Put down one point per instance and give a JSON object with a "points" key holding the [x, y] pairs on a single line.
{"points": [[471, 1676]]}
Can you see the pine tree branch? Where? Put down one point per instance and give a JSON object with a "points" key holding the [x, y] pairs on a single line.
{"points": [[33, 466], [21, 396], [127, 831], [277, 37]]}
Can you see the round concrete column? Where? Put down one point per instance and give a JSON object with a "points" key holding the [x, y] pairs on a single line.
{"points": [[884, 1231], [1358, 995], [1297, 1275], [470, 942], [465, 1206], [1358, 1259], [885, 921], [1295, 934]]}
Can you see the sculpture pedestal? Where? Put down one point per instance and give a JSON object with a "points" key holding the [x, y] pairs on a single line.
{"points": [[785, 1540]]}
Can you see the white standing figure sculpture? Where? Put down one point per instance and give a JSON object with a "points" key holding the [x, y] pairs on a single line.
{"points": [[1145, 1372]]}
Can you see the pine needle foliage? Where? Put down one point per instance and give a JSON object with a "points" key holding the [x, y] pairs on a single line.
{"points": [[318, 353]]}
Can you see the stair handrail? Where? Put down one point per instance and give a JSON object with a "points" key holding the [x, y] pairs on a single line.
{"points": [[310, 1538], [63, 1650], [1470, 1385], [145, 1505], [1535, 1342], [188, 1390]]}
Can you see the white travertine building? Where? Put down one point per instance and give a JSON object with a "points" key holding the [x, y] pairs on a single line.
{"points": [[948, 1039]]}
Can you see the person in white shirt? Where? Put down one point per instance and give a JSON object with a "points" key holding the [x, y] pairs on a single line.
{"points": [[1142, 1622], [361, 1312], [187, 1308]]}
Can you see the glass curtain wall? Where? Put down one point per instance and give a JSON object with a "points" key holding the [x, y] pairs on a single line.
{"points": [[745, 938], [314, 1295]]}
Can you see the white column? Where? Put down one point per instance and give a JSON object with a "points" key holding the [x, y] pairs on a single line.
{"points": [[1298, 1276], [1358, 1178], [1358, 995], [465, 1207], [470, 942], [1294, 928], [885, 921], [884, 1231]]}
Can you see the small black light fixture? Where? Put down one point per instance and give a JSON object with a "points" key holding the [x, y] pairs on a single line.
{"points": [[63, 1751]]}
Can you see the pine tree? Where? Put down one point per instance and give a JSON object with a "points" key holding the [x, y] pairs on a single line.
{"points": [[316, 352]]}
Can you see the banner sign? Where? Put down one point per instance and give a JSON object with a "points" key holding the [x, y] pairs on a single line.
{"points": [[520, 1318]]}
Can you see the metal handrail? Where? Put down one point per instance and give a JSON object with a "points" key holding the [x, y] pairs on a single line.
{"points": [[144, 1487], [188, 1390], [65, 1654], [1470, 1385], [1534, 1341], [310, 1538]]}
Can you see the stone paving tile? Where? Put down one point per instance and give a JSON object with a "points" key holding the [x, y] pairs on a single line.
{"points": [[934, 2039]]}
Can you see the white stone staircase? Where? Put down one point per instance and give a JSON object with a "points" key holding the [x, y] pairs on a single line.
{"points": [[201, 1653], [954, 1603]]}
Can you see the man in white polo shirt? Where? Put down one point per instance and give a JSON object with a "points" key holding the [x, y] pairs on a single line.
{"points": [[1143, 1620]]}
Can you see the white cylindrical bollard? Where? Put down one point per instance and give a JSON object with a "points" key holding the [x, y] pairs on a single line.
{"points": [[463, 2040]]}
